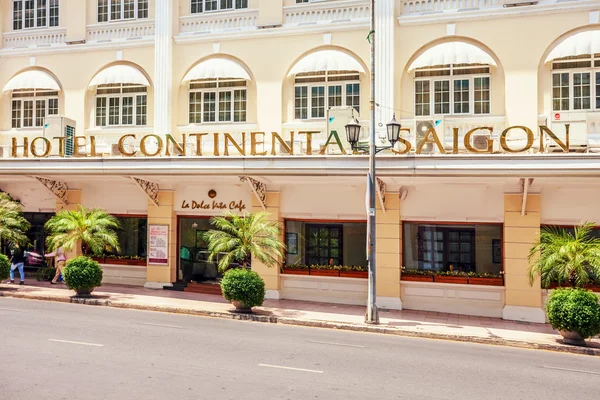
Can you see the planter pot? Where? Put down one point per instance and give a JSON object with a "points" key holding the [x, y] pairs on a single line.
{"points": [[324, 272], [451, 279], [416, 278], [572, 338], [241, 307], [486, 281], [84, 293], [291, 271], [354, 274]]}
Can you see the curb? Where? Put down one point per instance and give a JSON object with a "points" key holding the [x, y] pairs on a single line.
{"points": [[310, 323]]}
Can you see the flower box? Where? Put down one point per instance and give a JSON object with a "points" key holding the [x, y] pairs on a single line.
{"points": [[119, 261], [486, 281], [292, 271], [324, 272], [416, 278], [354, 274], [593, 287], [450, 279]]}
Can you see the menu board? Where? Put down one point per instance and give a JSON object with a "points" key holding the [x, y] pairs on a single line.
{"points": [[158, 243]]}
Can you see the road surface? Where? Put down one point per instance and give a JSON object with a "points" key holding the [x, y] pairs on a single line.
{"points": [[67, 351]]}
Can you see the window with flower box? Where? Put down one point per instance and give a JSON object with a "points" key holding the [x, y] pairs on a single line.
{"points": [[133, 239], [200, 6], [121, 105], [448, 248], [30, 107], [452, 90], [217, 101], [576, 83], [122, 10], [317, 92], [29, 14]]}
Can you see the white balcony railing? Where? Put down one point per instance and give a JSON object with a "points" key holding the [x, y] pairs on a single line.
{"points": [[218, 22], [34, 38], [120, 31], [336, 12], [433, 6]]}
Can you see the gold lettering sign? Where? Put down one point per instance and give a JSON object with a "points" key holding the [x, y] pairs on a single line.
{"points": [[213, 205], [168, 145]]}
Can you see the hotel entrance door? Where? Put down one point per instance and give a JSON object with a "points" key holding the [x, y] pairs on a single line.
{"points": [[193, 251]]}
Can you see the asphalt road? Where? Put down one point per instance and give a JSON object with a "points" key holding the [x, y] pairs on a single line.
{"points": [[66, 351]]}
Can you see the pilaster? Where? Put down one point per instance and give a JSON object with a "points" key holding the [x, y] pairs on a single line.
{"points": [[389, 253], [158, 276], [163, 67], [269, 275], [521, 232], [385, 20]]}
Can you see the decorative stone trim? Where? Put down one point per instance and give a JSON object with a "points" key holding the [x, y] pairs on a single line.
{"points": [[381, 189], [258, 188], [150, 188]]}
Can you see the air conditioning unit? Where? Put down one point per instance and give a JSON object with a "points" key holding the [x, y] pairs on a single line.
{"points": [[421, 130], [58, 125], [578, 129], [479, 141]]}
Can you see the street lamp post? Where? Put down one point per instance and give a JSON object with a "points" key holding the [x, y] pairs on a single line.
{"points": [[353, 135]]}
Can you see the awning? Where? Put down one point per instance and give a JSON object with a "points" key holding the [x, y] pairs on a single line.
{"points": [[452, 53], [326, 60], [33, 79], [217, 68], [582, 43], [120, 74]]}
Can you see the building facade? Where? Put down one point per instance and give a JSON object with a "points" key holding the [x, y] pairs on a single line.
{"points": [[165, 113]]}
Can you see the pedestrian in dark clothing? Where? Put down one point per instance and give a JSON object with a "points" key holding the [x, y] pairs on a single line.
{"points": [[17, 261]]}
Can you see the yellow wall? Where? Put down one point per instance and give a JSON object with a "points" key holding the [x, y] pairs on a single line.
{"points": [[269, 274], [520, 234], [164, 215], [389, 247]]}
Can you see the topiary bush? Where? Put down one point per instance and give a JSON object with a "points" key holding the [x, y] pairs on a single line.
{"points": [[574, 310], [243, 285], [4, 267], [82, 274]]}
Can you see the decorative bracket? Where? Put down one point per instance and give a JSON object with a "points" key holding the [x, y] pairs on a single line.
{"points": [[58, 188], [150, 189], [381, 188], [525, 184], [258, 188]]}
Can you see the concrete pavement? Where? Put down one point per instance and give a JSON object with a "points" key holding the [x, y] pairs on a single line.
{"points": [[406, 322], [66, 351]]}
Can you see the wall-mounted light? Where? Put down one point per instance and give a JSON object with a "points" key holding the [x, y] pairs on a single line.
{"points": [[212, 193]]}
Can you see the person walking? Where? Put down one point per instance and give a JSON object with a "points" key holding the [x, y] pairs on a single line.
{"points": [[17, 261], [60, 259]]}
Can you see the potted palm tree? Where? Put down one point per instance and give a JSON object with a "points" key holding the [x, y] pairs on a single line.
{"points": [[570, 259], [13, 225], [94, 229], [239, 239]]}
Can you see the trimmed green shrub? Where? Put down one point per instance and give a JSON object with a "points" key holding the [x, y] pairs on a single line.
{"points": [[243, 285], [4, 267], [82, 274], [574, 310]]}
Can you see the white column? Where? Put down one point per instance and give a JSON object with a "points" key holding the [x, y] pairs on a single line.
{"points": [[385, 20], [163, 67]]}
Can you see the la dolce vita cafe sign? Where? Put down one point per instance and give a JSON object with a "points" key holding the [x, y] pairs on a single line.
{"points": [[153, 145]]}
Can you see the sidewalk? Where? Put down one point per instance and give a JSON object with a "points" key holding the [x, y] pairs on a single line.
{"points": [[405, 323]]}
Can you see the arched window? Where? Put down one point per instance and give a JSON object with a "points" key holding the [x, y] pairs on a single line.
{"points": [[121, 104], [576, 83], [576, 72], [325, 79], [217, 100], [121, 96], [452, 78], [452, 89], [34, 95], [218, 92], [316, 92]]}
